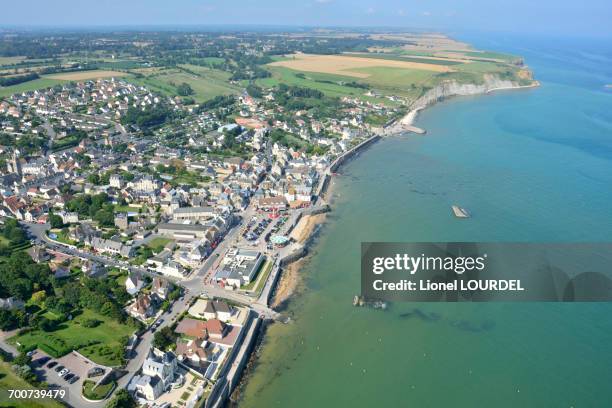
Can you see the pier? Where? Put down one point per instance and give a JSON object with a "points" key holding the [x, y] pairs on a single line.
{"points": [[414, 129]]}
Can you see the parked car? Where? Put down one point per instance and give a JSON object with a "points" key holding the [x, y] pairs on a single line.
{"points": [[52, 364], [68, 376], [59, 368], [74, 379], [42, 361], [63, 372]]}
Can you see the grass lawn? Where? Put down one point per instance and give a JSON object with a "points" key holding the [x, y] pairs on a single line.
{"points": [[40, 83], [11, 381], [158, 243], [100, 393], [262, 275], [61, 237], [126, 209], [98, 343], [189, 177]]}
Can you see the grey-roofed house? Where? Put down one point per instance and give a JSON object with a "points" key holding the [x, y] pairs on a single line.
{"points": [[111, 247], [239, 267]]}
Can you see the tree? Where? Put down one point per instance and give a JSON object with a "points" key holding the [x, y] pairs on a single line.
{"points": [[164, 338], [105, 218], [22, 359], [8, 320], [13, 231], [38, 298], [122, 399], [184, 89], [55, 220], [94, 178]]}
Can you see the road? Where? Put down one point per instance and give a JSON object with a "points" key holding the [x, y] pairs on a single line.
{"points": [[195, 285]]}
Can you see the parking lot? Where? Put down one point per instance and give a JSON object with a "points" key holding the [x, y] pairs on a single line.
{"points": [[47, 370]]}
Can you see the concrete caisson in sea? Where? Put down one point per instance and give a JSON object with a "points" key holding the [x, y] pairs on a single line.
{"points": [[460, 212]]}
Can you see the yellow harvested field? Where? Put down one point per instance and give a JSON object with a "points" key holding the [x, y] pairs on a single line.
{"points": [[343, 64], [83, 75]]}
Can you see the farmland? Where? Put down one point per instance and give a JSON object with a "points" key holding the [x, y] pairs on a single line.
{"points": [[404, 73], [84, 75], [40, 83], [386, 80], [351, 65], [10, 60], [206, 82]]}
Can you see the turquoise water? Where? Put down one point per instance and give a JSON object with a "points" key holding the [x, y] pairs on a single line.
{"points": [[530, 165]]}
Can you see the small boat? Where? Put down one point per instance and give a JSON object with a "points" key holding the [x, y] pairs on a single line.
{"points": [[460, 212]]}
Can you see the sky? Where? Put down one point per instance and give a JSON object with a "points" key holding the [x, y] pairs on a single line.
{"points": [[554, 17]]}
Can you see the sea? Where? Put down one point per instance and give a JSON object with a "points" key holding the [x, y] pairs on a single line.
{"points": [[531, 165]]}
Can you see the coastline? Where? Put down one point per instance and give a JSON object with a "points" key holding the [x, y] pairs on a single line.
{"points": [[535, 84], [446, 91], [291, 278]]}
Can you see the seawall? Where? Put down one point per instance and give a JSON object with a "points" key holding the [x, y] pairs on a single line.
{"points": [[230, 377]]}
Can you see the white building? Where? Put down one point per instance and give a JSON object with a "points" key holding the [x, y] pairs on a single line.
{"points": [[116, 181], [158, 374], [134, 283]]}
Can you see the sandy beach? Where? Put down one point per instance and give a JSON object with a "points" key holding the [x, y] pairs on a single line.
{"points": [[305, 227], [290, 278]]}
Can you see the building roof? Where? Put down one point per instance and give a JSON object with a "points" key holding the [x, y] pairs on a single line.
{"points": [[199, 328]]}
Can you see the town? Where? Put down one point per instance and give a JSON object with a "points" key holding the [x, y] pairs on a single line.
{"points": [[173, 229], [145, 223]]}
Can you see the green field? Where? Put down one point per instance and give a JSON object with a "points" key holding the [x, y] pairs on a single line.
{"points": [[396, 81], [311, 80], [10, 60], [206, 83], [11, 381], [157, 244], [40, 83], [97, 343], [489, 54], [384, 80], [329, 84], [212, 60]]}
